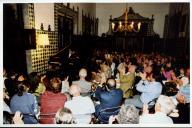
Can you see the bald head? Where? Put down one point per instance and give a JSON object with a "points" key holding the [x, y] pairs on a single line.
{"points": [[111, 83], [75, 90], [82, 73]]}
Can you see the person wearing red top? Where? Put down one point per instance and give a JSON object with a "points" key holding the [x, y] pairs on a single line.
{"points": [[51, 101]]}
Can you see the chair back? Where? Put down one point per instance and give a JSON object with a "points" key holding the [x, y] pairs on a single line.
{"points": [[47, 118], [104, 114]]}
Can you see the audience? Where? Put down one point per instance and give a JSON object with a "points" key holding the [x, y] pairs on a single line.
{"points": [[82, 107], [121, 84]]}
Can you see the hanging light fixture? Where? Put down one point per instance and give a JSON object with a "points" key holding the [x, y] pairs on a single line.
{"points": [[126, 26]]}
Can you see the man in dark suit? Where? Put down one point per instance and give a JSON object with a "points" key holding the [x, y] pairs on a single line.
{"points": [[109, 97]]}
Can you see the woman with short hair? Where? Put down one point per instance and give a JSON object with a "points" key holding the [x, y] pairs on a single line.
{"points": [[51, 100]]}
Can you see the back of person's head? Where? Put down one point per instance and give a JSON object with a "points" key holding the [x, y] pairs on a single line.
{"points": [[12, 75], [75, 90], [165, 104], [111, 83], [64, 116], [156, 76], [7, 118], [170, 89], [168, 66], [46, 81], [21, 77], [82, 73], [128, 115], [55, 85], [34, 80], [22, 87]]}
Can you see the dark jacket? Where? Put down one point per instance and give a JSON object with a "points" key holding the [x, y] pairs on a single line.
{"points": [[108, 99]]}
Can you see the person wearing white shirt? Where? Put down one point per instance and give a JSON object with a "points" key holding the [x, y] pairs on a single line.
{"points": [[163, 107], [81, 107]]}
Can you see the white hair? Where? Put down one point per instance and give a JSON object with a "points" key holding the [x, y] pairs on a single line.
{"points": [[74, 89], [64, 115], [166, 103]]}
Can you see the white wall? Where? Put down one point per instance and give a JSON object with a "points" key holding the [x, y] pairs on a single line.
{"points": [[44, 13], [104, 10]]}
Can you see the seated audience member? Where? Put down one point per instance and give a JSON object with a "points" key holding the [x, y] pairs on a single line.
{"points": [[36, 84], [34, 80], [51, 100], [183, 95], [182, 76], [126, 115], [105, 69], [167, 71], [21, 77], [163, 107], [85, 85], [183, 98], [108, 97], [25, 103], [127, 80], [9, 119], [150, 90], [148, 70], [64, 116], [112, 66], [81, 107], [10, 84]]}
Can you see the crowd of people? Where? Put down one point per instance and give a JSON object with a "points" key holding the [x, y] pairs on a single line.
{"points": [[113, 87]]}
